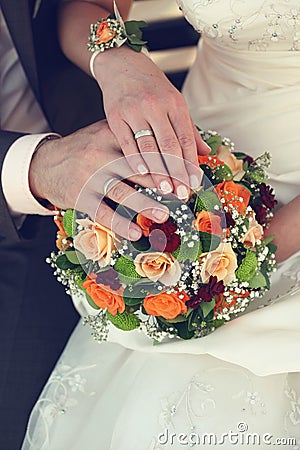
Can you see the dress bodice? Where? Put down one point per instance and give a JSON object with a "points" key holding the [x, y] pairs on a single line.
{"points": [[249, 25]]}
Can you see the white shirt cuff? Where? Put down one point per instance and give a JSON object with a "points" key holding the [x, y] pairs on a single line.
{"points": [[15, 176]]}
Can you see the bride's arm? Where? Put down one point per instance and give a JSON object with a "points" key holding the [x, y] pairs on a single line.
{"points": [[285, 226], [137, 96]]}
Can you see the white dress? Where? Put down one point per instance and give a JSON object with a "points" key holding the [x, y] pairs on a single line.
{"points": [[240, 385]]}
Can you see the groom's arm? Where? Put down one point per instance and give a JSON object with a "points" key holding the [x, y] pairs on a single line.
{"points": [[8, 228], [16, 200]]}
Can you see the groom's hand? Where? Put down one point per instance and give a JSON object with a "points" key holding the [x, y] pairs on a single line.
{"points": [[80, 170]]}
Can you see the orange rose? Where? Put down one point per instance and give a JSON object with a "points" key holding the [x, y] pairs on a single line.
{"points": [[209, 160], [234, 164], [220, 263], [61, 242], [234, 194], [166, 305], [104, 33], [144, 223], [104, 297], [228, 302], [208, 222]]}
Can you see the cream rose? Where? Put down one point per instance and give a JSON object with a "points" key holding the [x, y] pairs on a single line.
{"points": [[95, 242], [157, 266], [221, 263], [254, 233], [234, 164]]}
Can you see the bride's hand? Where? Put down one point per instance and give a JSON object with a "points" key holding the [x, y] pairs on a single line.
{"points": [[137, 96], [285, 226]]}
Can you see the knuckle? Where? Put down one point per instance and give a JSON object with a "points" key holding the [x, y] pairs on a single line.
{"points": [[102, 213], [117, 192], [147, 145], [169, 144], [186, 141]]}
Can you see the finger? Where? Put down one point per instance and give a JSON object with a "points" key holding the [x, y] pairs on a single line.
{"points": [[202, 147], [151, 154], [125, 195], [184, 131], [106, 216], [173, 157], [130, 149]]}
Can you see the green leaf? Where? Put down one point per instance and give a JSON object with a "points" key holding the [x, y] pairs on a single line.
{"points": [[214, 142], [223, 173], [268, 239], [209, 241], [183, 330], [239, 155], [247, 268], [133, 28], [178, 319], [186, 253], [91, 301], [142, 244], [257, 281], [69, 222], [272, 247], [125, 266], [207, 200], [63, 263], [75, 257], [124, 321], [207, 307]]}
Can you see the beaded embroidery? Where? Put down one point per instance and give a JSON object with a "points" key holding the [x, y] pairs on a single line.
{"points": [[257, 25]]}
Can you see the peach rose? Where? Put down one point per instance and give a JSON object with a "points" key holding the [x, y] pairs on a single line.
{"points": [[234, 194], [158, 266], [104, 297], [208, 222], [95, 242], [166, 305], [221, 263], [254, 233], [144, 223], [104, 33], [234, 164]]}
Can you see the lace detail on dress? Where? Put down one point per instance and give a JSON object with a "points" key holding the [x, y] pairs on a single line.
{"points": [[256, 25], [197, 412], [62, 392]]}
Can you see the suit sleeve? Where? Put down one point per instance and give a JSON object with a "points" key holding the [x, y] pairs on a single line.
{"points": [[8, 229]]}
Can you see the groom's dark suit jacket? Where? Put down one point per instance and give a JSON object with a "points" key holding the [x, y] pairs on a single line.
{"points": [[36, 316]]}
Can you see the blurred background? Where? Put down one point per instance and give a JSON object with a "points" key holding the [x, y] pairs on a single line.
{"points": [[171, 39]]}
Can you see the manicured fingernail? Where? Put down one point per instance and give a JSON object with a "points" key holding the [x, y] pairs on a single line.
{"points": [[142, 169], [165, 187], [194, 181], [182, 192], [134, 234], [160, 215]]}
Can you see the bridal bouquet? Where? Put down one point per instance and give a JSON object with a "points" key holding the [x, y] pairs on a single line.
{"points": [[187, 276]]}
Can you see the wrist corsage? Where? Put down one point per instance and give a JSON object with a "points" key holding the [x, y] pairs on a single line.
{"points": [[114, 32]]}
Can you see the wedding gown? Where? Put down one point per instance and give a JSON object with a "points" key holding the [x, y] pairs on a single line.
{"points": [[243, 379]]}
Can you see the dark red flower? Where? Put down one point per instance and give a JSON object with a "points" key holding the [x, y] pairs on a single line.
{"points": [[163, 238], [167, 227], [206, 292], [229, 220], [267, 195], [260, 213], [109, 278]]}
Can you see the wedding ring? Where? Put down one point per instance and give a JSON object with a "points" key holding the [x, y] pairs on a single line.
{"points": [[107, 184], [142, 133]]}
